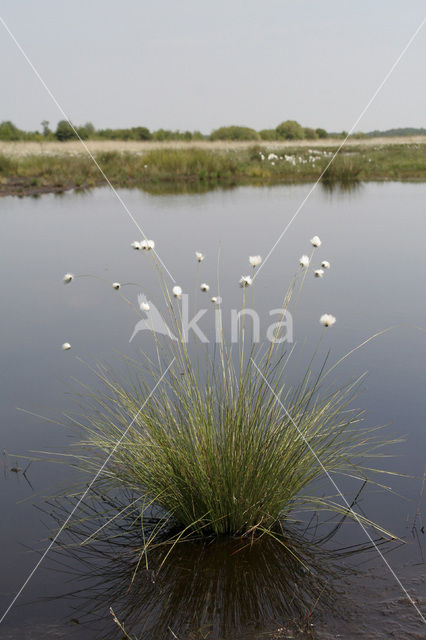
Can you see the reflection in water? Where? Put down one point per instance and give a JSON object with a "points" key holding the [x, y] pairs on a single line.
{"points": [[222, 589]]}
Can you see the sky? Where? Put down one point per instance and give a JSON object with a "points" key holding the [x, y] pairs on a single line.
{"points": [[198, 65]]}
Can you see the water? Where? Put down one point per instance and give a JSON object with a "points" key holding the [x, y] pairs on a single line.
{"points": [[374, 239]]}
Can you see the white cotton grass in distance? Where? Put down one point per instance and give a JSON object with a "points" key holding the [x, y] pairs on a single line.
{"points": [[66, 346], [318, 273], [255, 261], [144, 306], [325, 264], [315, 241], [216, 299], [245, 281], [116, 285], [137, 246], [68, 277], [327, 320], [204, 287], [304, 261], [177, 291], [200, 256]]}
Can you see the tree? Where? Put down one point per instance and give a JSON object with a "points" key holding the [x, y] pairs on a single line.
{"points": [[45, 125], [321, 133], [8, 131], [64, 131], [234, 132], [290, 130], [310, 134]]}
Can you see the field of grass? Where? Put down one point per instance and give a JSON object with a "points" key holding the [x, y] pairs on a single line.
{"points": [[178, 167]]}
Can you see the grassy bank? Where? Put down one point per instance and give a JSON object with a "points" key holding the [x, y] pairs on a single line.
{"points": [[169, 169]]}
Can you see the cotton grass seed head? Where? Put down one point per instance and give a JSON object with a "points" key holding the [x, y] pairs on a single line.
{"points": [[66, 346], [177, 291], [325, 264], [304, 261], [245, 281], [137, 246], [200, 256], [116, 285], [327, 320], [255, 261], [144, 306], [216, 299], [147, 245], [315, 241], [204, 287], [318, 273], [68, 277]]}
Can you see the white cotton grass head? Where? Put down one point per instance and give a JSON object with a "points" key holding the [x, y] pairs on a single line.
{"points": [[116, 285], [304, 261], [216, 299], [315, 241], [246, 281], [137, 246], [318, 273], [66, 346], [205, 287], [325, 264], [200, 256], [147, 245], [177, 291], [255, 261], [144, 306], [68, 277], [327, 320]]}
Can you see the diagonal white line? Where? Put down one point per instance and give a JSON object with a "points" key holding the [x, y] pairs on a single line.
{"points": [[90, 154], [367, 106], [83, 496], [341, 495]]}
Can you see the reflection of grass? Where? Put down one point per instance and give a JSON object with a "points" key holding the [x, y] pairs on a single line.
{"points": [[200, 167], [226, 586]]}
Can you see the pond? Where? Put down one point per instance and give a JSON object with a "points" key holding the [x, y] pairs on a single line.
{"points": [[374, 239]]}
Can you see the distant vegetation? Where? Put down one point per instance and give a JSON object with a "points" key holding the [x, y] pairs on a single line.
{"points": [[287, 130], [180, 170]]}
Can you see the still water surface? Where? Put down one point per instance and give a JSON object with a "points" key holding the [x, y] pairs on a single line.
{"points": [[374, 238]]}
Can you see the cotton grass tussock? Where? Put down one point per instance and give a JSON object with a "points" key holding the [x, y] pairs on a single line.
{"points": [[212, 448]]}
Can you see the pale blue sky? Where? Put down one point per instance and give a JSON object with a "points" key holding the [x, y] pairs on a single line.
{"points": [[191, 64]]}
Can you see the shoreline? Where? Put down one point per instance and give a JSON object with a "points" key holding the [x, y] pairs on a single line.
{"points": [[187, 167]]}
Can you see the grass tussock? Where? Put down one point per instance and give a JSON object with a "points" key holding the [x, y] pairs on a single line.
{"points": [[225, 445]]}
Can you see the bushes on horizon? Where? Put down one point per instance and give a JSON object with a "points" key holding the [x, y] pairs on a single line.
{"points": [[269, 134], [290, 130], [321, 133], [234, 132], [310, 134], [8, 131]]}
